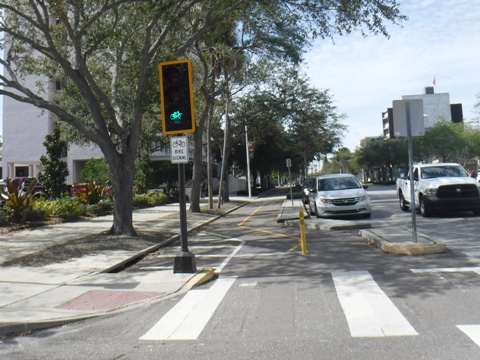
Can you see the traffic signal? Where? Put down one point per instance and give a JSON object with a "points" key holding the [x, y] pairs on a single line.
{"points": [[176, 95]]}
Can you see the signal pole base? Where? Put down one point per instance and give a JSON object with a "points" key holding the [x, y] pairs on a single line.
{"points": [[184, 263]]}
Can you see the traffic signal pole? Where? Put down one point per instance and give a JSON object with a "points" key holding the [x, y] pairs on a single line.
{"points": [[185, 261], [178, 117]]}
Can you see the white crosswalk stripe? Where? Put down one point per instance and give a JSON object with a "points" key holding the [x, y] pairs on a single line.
{"points": [[473, 331], [369, 311], [188, 318]]}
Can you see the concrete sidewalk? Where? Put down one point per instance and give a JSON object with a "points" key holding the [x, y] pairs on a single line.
{"points": [[41, 297]]}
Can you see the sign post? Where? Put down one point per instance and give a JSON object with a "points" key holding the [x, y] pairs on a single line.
{"points": [[403, 111], [289, 165], [185, 261]]}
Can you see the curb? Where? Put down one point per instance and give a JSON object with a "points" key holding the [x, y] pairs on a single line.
{"points": [[310, 226], [20, 328], [206, 275], [406, 248]]}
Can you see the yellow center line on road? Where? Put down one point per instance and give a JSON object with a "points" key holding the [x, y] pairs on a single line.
{"points": [[241, 224]]}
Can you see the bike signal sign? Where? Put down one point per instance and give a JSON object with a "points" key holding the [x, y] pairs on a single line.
{"points": [[179, 149]]}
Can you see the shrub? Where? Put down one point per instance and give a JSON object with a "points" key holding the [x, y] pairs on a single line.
{"points": [[16, 200], [104, 207], [156, 199], [38, 210], [66, 207], [91, 193], [150, 199], [140, 201], [4, 218]]}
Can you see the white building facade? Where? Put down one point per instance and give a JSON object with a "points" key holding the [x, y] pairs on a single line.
{"points": [[436, 108], [24, 129]]}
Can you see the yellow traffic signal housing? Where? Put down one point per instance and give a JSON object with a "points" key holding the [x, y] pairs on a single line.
{"points": [[176, 97]]}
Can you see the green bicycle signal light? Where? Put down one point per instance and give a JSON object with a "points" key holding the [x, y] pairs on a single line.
{"points": [[176, 97]]}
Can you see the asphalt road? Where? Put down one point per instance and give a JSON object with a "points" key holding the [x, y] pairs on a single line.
{"points": [[343, 300]]}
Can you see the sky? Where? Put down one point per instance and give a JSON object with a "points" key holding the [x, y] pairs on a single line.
{"points": [[440, 41]]}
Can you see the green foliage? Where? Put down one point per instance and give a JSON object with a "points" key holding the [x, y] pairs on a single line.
{"points": [[112, 84], [54, 169], [287, 118], [65, 207], [17, 201], [144, 173], [4, 218], [383, 155], [150, 199], [103, 207], [96, 170], [447, 142], [91, 193], [37, 210]]}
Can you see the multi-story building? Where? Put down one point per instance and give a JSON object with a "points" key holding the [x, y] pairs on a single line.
{"points": [[436, 107], [24, 129]]}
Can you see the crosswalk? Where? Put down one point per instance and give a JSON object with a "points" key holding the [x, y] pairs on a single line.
{"points": [[368, 311], [188, 318]]}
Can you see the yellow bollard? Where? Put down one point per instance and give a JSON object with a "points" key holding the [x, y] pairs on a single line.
{"points": [[303, 238]]}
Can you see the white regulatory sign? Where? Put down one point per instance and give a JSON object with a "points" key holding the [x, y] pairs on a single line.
{"points": [[400, 117], [179, 149]]}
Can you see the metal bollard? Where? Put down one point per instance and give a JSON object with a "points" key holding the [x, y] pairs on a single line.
{"points": [[303, 238]]}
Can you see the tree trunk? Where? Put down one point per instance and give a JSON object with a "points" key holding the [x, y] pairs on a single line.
{"points": [[123, 200], [197, 169], [209, 159], [222, 196]]}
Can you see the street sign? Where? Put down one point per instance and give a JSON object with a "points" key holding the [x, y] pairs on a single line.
{"points": [[400, 117], [289, 163], [179, 149]]}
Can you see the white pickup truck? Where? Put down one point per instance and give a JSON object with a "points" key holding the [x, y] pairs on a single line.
{"points": [[439, 187]]}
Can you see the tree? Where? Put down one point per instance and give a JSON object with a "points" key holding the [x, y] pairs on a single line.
{"points": [[382, 155], [105, 53], [445, 141], [276, 30], [144, 173], [343, 157], [54, 169], [288, 116], [96, 170]]}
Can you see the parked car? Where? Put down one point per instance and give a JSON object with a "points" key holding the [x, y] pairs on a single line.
{"points": [[339, 195], [38, 189]]}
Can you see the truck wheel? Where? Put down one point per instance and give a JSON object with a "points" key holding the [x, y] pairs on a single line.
{"points": [[424, 210], [403, 204]]}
